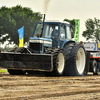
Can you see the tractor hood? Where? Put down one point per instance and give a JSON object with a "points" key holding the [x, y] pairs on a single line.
{"points": [[39, 44]]}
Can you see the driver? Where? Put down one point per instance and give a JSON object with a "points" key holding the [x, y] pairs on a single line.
{"points": [[54, 32]]}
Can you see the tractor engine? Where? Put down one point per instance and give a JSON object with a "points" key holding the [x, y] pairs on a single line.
{"points": [[38, 45]]}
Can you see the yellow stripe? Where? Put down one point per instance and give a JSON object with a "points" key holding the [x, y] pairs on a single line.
{"points": [[98, 45], [21, 42]]}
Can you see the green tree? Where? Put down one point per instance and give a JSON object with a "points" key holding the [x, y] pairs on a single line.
{"points": [[72, 23], [92, 29], [11, 19], [5, 25]]}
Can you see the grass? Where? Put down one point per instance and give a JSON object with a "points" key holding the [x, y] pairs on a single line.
{"points": [[3, 71]]}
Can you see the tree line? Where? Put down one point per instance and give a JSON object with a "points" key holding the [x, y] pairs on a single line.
{"points": [[11, 19], [92, 29]]}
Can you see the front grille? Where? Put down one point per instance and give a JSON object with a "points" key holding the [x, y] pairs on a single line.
{"points": [[36, 46]]}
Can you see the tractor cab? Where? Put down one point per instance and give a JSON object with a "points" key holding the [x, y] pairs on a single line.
{"points": [[54, 35]]}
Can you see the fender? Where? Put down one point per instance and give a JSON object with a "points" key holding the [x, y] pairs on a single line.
{"points": [[67, 43]]}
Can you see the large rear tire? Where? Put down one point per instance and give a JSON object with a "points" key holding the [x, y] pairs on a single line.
{"points": [[75, 60]]}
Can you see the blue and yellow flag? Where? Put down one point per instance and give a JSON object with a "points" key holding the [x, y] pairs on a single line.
{"points": [[21, 36], [76, 35]]}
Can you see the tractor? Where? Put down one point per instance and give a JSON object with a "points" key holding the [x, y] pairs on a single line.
{"points": [[51, 50]]}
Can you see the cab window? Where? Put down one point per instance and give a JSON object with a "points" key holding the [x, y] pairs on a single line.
{"points": [[68, 33], [63, 32]]}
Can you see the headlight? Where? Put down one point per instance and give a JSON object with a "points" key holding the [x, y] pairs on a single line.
{"points": [[36, 41], [40, 41]]}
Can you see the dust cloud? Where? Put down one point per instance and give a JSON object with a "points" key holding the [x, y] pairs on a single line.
{"points": [[46, 4]]}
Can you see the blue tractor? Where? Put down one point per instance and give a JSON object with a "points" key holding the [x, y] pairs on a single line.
{"points": [[51, 50]]}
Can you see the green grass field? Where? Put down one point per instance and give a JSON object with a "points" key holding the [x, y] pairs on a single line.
{"points": [[3, 71]]}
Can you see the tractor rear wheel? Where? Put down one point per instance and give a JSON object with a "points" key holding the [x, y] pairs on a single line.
{"points": [[75, 60]]}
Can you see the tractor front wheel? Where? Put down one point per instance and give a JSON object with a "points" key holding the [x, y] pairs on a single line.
{"points": [[58, 63]]}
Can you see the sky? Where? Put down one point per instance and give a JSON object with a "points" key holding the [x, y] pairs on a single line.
{"points": [[61, 9]]}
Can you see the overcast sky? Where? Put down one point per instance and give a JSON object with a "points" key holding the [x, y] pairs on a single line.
{"points": [[61, 9]]}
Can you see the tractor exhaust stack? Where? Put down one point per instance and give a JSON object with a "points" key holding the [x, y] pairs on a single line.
{"points": [[43, 25]]}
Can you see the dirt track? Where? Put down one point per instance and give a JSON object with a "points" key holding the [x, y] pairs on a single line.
{"points": [[14, 87]]}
